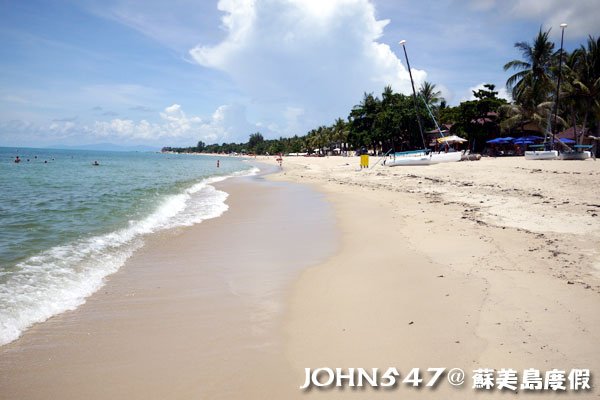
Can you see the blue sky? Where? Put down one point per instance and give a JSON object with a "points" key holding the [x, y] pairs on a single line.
{"points": [[172, 73]]}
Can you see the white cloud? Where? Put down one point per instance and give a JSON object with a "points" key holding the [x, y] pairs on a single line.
{"points": [[62, 127], [581, 15], [318, 56], [446, 93], [174, 125], [227, 123]]}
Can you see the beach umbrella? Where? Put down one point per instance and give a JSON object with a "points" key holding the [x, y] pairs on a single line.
{"points": [[523, 139], [451, 139], [501, 140], [567, 140]]}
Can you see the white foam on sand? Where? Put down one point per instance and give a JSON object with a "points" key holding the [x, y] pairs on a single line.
{"points": [[61, 278]]}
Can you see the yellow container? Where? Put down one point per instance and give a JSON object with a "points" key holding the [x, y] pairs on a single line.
{"points": [[364, 161]]}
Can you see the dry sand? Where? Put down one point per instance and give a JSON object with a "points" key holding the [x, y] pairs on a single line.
{"points": [[488, 264]]}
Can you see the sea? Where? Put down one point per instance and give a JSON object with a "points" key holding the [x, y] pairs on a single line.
{"points": [[66, 224]]}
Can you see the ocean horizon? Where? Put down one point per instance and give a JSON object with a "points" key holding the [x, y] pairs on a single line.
{"points": [[67, 224]]}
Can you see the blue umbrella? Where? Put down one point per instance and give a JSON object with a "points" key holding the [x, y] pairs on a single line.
{"points": [[501, 140], [567, 140]]}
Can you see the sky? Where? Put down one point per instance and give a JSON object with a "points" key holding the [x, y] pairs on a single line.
{"points": [[172, 73]]}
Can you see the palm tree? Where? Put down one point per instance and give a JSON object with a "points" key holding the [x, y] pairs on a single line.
{"points": [[340, 133], [362, 120], [387, 95], [582, 88], [429, 94], [533, 83], [319, 138], [518, 115]]}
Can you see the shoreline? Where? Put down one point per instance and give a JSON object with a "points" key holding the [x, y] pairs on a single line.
{"points": [[85, 223], [187, 313]]}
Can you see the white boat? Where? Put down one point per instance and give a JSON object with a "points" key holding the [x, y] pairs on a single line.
{"points": [[575, 155], [541, 155], [424, 159]]}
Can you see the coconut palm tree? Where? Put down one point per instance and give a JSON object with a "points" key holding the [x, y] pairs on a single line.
{"points": [[362, 120], [532, 84], [319, 138], [519, 115], [582, 88], [431, 96], [340, 133]]}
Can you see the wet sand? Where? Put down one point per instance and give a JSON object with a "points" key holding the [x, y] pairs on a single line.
{"points": [[196, 313]]}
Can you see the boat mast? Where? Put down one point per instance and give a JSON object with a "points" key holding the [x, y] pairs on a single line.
{"points": [[434, 120], [403, 42], [562, 37]]}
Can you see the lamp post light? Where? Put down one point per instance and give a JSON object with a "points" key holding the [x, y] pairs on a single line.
{"points": [[562, 37], [403, 42]]}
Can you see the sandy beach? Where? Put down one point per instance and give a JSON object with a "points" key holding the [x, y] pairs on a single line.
{"points": [[196, 313], [487, 264]]}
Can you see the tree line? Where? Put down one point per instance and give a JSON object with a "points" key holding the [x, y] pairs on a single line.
{"points": [[391, 121]]}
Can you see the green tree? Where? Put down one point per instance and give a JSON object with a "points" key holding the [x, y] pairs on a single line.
{"points": [[256, 143], [340, 133], [477, 119], [428, 93], [362, 121], [518, 115], [581, 90], [532, 84]]}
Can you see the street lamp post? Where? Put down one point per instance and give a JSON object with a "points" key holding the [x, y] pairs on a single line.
{"points": [[562, 37], [403, 42]]}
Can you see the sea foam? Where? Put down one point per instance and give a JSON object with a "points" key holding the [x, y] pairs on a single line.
{"points": [[61, 278]]}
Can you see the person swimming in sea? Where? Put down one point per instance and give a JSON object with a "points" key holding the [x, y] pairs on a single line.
{"points": [[95, 163], [17, 159]]}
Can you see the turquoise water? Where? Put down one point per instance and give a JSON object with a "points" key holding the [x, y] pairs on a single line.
{"points": [[67, 224]]}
